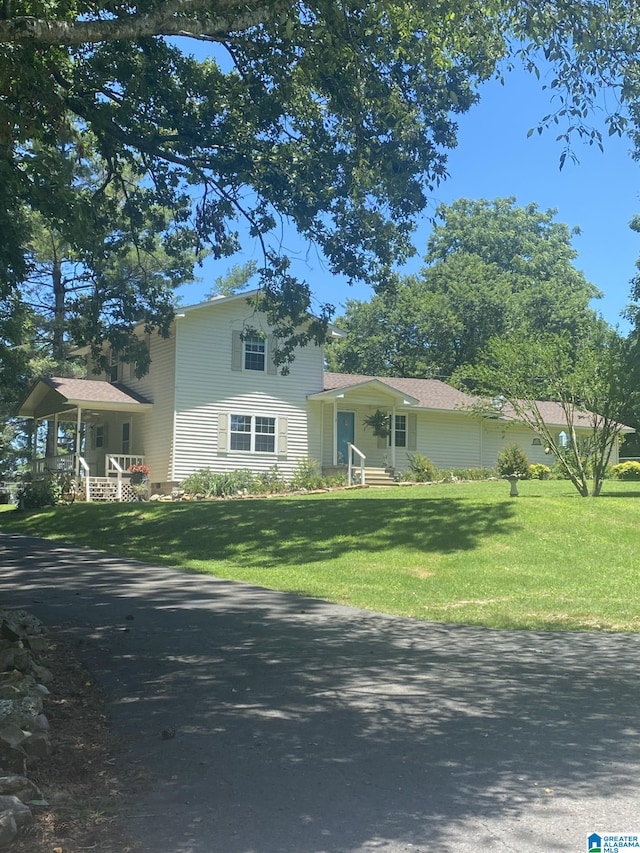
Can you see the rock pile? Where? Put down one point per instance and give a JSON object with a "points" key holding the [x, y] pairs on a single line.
{"points": [[24, 736]]}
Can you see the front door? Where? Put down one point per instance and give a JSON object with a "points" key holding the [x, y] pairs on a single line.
{"points": [[345, 435]]}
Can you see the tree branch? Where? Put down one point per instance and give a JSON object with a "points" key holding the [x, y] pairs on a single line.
{"points": [[213, 20]]}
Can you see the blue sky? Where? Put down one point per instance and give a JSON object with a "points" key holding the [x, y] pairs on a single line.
{"points": [[494, 158]]}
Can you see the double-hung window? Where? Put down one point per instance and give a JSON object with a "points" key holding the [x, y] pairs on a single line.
{"points": [[254, 353], [400, 431], [253, 433]]}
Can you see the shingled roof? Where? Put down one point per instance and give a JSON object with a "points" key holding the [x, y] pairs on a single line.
{"points": [[430, 393], [434, 394], [54, 393]]}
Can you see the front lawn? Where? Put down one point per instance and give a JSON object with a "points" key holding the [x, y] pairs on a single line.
{"points": [[462, 552]]}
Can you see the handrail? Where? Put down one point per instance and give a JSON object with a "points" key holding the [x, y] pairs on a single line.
{"points": [[87, 483], [121, 461], [353, 449], [112, 463]]}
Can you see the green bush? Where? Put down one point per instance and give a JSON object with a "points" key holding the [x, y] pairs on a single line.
{"points": [[473, 473], [421, 469], [270, 482], [538, 471], [307, 475], [512, 461], [626, 471], [39, 493], [211, 484]]}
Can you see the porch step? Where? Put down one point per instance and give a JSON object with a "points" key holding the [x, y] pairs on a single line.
{"points": [[105, 489], [379, 477]]}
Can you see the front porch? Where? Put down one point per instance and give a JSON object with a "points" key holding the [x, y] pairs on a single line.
{"points": [[367, 430], [115, 486], [90, 431]]}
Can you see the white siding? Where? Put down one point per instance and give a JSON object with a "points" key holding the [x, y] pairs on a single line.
{"points": [[207, 387], [152, 433]]}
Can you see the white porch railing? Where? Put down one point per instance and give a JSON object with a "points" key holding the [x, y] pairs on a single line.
{"points": [[119, 462], [351, 469], [54, 464], [85, 475], [71, 465]]}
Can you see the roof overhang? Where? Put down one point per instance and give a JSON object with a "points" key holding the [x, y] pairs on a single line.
{"points": [[49, 397], [397, 397]]}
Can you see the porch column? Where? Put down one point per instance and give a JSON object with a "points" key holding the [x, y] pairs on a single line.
{"points": [[34, 446], [393, 436], [55, 438], [78, 444]]}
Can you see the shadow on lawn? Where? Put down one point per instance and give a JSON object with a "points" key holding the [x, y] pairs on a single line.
{"points": [[265, 532], [301, 726]]}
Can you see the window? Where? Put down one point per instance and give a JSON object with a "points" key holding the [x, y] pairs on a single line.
{"points": [[126, 437], [114, 366], [254, 353], [401, 431], [100, 436], [253, 433]]}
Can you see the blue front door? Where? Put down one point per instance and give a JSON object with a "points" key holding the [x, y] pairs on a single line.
{"points": [[345, 434]]}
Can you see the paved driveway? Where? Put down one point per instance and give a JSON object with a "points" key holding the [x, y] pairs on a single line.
{"points": [[304, 727]]}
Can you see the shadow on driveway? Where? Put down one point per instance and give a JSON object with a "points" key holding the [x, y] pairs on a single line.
{"points": [[305, 727]]}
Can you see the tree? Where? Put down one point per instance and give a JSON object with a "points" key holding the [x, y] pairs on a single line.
{"points": [[492, 268], [110, 260], [336, 116], [237, 279], [586, 377]]}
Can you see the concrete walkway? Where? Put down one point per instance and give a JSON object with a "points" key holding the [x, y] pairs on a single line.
{"points": [[304, 727]]}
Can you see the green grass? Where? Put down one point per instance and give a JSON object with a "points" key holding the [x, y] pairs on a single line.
{"points": [[463, 552]]}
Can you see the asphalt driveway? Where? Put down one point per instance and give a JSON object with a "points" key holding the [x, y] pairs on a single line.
{"points": [[305, 727]]}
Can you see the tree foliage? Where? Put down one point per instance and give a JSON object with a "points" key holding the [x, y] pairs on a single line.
{"points": [[336, 116], [492, 268], [586, 377]]}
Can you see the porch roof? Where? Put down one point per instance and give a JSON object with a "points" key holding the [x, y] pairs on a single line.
{"points": [[421, 393], [382, 385], [55, 395]]}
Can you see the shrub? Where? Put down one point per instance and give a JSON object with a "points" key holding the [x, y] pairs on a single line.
{"points": [[211, 484], [307, 475], [626, 471], [39, 493], [538, 471], [270, 482], [472, 473], [512, 461], [421, 469]]}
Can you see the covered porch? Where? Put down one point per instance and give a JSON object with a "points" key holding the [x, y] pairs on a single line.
{"points": [[94, 434], [366, 430]]}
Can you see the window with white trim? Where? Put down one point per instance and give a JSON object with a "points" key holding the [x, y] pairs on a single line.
{"points": [[401, 431], [255, 351], [253, 433]]}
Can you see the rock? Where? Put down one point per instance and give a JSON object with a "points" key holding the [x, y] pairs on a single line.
{"points": [[12, 734], [20, 812], [40, 672], [37, 746], [7, 657], [13, 759], [21, 787], [36, 643], [21, 712], [41, 723], [8, 828]]}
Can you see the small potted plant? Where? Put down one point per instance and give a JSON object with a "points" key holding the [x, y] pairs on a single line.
{"points": [[139, 480]]}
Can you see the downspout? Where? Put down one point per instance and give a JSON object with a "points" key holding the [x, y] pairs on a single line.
{"points": [[335, 431]]}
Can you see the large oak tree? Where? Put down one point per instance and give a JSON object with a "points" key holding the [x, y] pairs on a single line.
{"points": [[335, 115]]}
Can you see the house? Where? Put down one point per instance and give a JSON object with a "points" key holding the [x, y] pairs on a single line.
{"points": [[214, 398]]}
